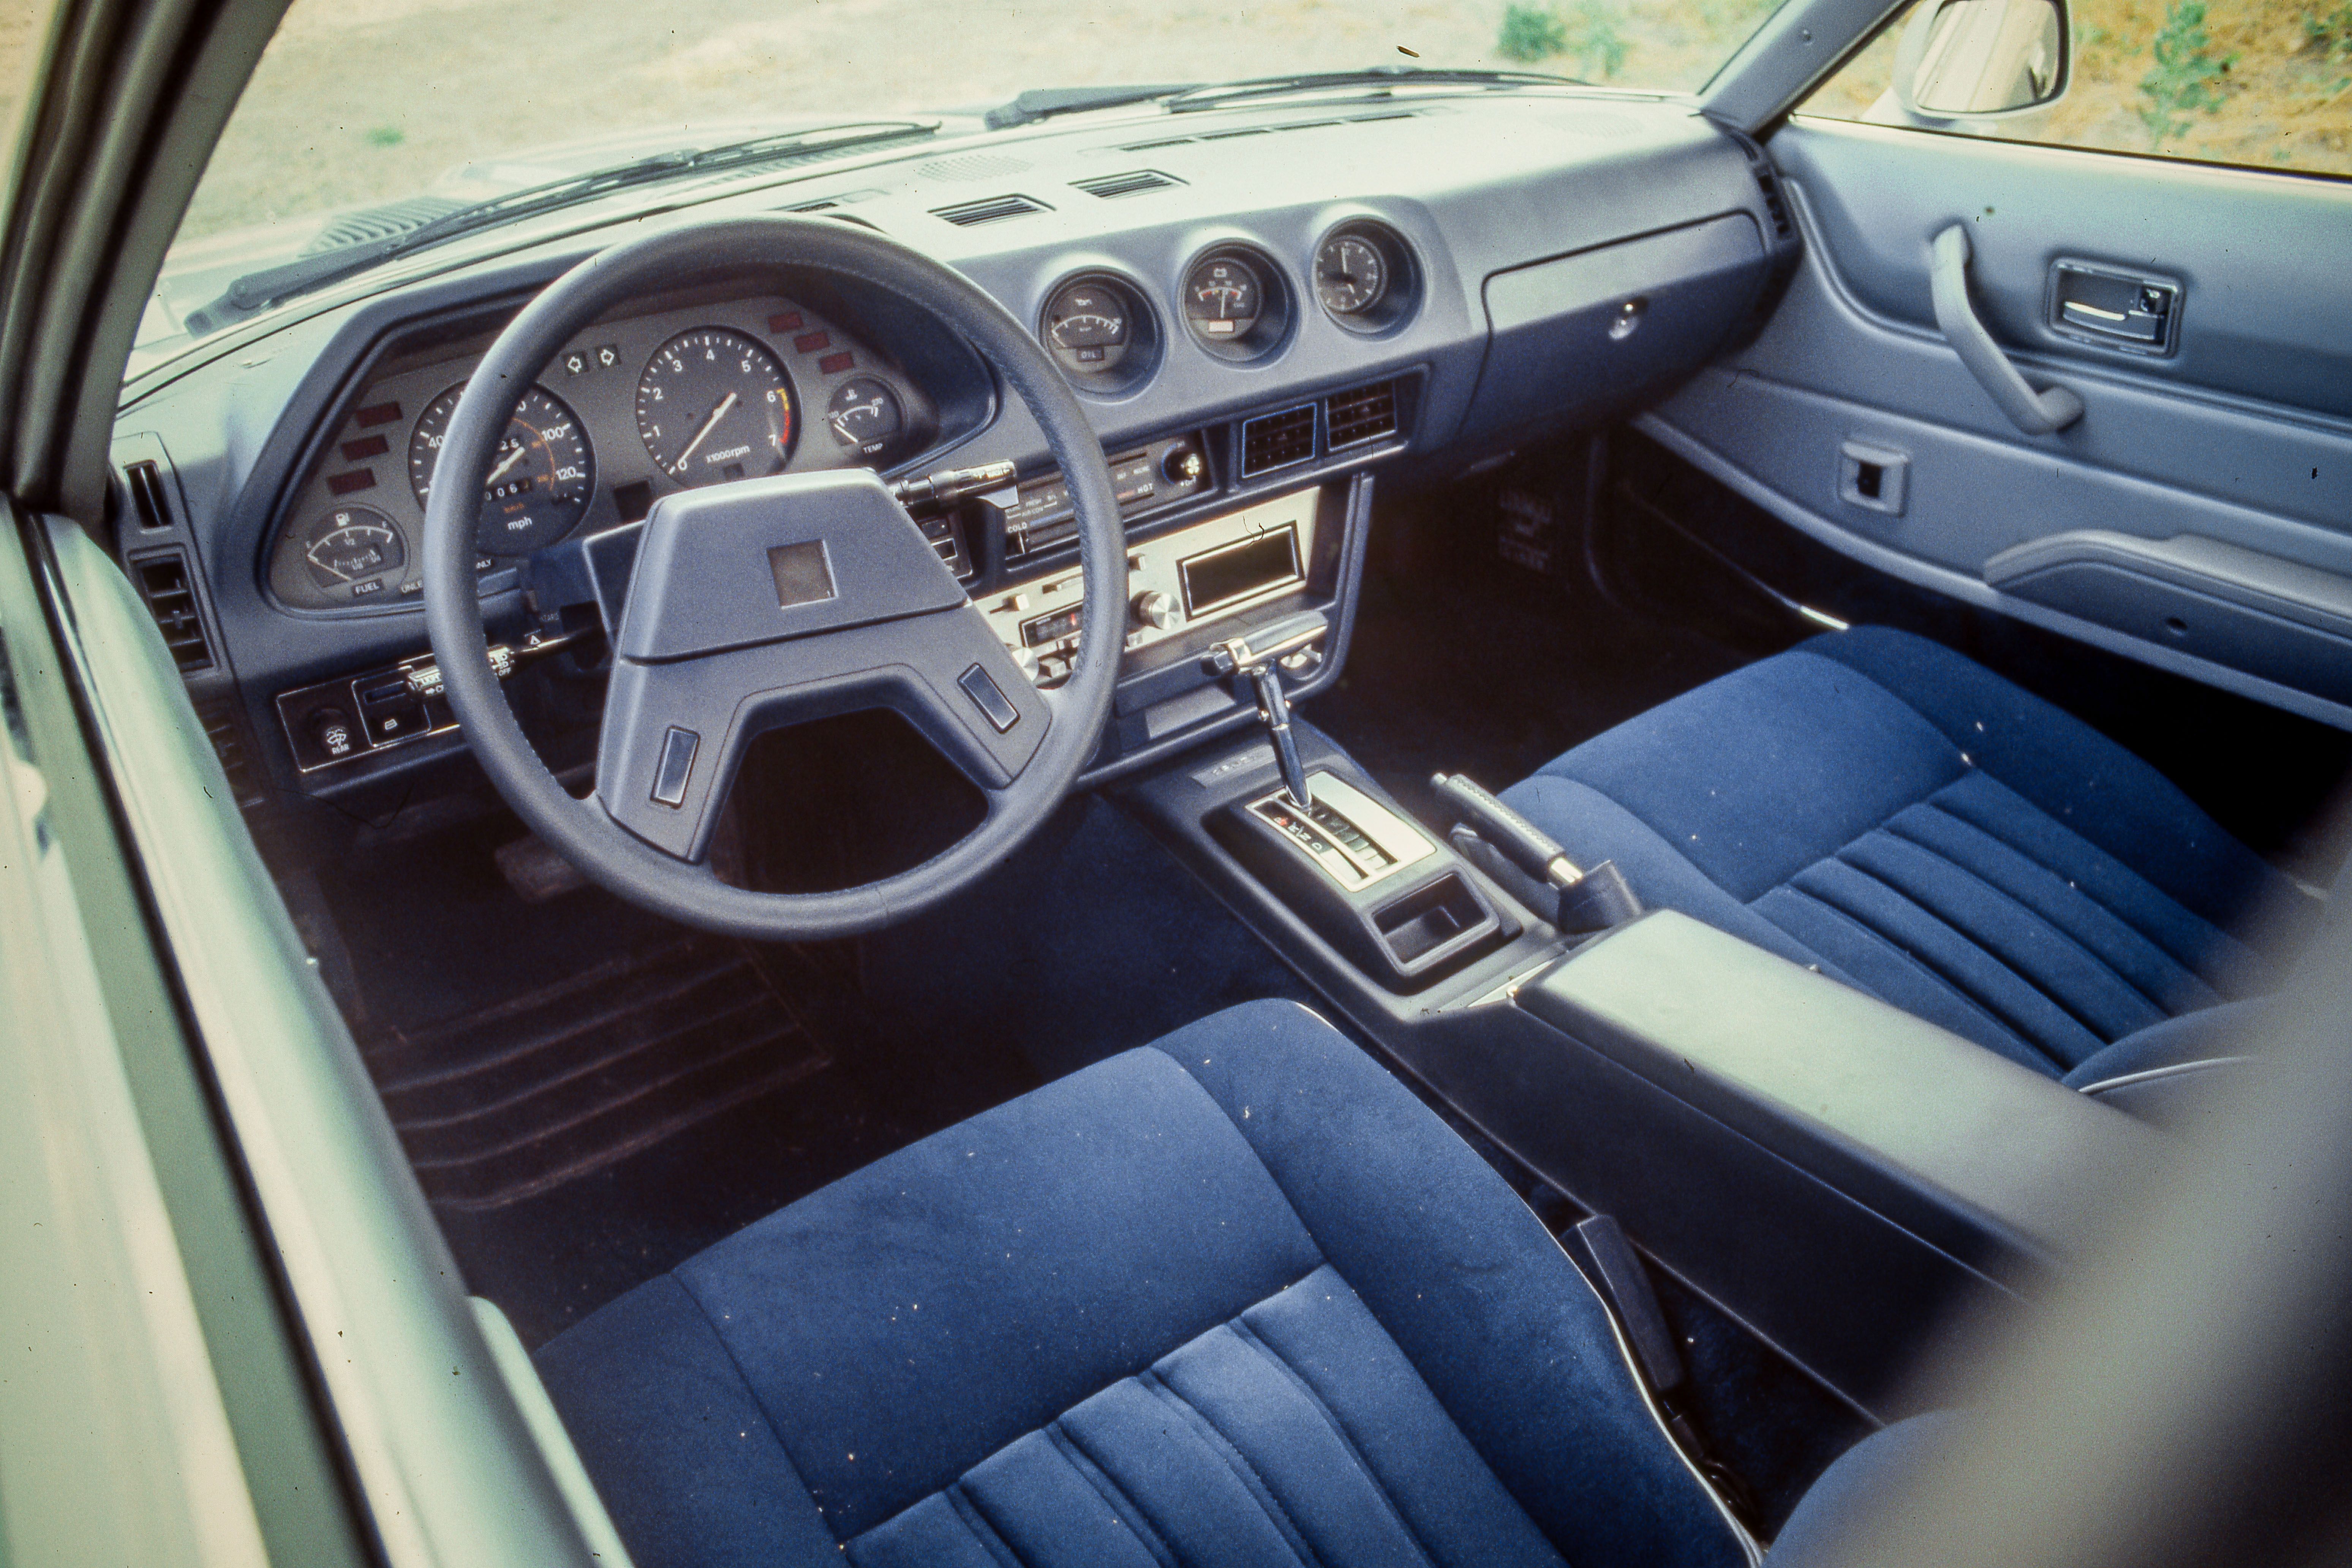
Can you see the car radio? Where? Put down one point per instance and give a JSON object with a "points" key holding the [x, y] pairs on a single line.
{"points": [[1205, 572]]}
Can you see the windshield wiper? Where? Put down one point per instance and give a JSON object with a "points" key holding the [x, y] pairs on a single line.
{"points": [[273, 285], [1044, 102], [1216, 95]]}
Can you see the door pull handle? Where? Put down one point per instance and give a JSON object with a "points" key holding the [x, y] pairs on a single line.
{"points": [[2035, 413]]}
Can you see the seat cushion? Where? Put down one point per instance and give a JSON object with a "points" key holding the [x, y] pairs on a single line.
{"points": [[1877, 806], [1235, 1297]]}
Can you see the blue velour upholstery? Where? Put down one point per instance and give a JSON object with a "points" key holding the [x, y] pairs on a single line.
{"points": [[1878, 805], [1232, 1298]]}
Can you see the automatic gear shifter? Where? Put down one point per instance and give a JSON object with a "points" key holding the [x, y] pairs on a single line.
{"points": [[1259, 655]]}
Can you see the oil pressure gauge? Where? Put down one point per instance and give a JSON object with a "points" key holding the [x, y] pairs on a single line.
{"points": [[1099, 332]]}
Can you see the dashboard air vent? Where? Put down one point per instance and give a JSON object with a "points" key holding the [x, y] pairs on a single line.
{"points": [[1132, 183], [150, 501], [995, 209], [172, 600], [219, 720], [370, 224], [1273, 441], [1361, 414]]}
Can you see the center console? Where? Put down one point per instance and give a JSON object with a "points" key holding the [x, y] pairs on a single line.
{"points": [[1838, 1175]]}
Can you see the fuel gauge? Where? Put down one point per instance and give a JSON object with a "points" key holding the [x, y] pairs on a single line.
{"points": [[354, 547]]}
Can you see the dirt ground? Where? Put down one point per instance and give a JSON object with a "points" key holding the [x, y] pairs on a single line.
{"points": [[365, 100]]}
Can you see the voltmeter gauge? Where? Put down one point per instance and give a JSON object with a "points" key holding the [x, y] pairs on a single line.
{"points": [[354, 547], [1224, 298]]}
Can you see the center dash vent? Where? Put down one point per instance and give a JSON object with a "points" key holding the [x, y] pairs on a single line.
{"points": [[1361, 414], [1273, 441], [1134, 183], [995, 209], [172, 600]]}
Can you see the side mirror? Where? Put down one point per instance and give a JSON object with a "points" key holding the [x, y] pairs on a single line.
{"points": [[1965, 58]]}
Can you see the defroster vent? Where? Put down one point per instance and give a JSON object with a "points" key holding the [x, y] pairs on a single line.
{"points": [[1361, 414], [995, 209], [172, 600], [1273, 441]]}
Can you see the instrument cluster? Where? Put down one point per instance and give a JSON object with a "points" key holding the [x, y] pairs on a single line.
{"points": [[635, 408]]}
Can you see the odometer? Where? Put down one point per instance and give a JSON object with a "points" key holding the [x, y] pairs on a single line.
{"points": [[714, 405], [540, 478]]}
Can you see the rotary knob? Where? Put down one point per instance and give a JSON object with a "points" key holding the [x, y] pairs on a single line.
{"points": [[1182, 465], [1026, 659], [1155, 609]]}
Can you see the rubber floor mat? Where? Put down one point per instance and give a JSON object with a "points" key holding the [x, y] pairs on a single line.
{"points": [[517, 1099]]}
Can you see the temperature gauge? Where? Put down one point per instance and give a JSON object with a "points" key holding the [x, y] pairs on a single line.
{"points": [[864, 413], [354, 547]]}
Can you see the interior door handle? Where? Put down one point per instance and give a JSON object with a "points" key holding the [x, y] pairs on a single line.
{"points": [[2035, 413]]}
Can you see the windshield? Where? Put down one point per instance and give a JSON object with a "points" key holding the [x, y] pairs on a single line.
{"points": [[369, 119]]}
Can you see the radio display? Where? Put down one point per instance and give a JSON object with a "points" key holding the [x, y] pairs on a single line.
{"points": [[1238, 571]]}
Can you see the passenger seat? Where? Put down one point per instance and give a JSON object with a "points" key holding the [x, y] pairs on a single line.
{"points": [[1881, 808]]}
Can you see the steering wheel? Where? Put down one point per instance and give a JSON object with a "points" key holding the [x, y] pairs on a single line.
{"points": [[769, 602]]}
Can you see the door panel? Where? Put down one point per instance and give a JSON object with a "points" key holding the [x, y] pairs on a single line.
{"points": [[2241, 438]]}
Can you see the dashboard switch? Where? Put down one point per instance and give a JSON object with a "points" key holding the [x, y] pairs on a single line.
{"points": [[677, 766]]}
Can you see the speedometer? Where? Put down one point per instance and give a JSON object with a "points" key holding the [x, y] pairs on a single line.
{"points": [[714, 405], [540, 477]]}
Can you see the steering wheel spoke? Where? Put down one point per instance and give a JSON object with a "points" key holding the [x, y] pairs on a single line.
{"points": [[675, 731]]}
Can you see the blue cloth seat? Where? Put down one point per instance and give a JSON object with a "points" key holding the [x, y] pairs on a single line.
{"points": [[1877, 806], [1235, 1298]]}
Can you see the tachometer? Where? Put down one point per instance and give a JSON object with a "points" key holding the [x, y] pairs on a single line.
{"points": [[540, 478], [713, 405]]}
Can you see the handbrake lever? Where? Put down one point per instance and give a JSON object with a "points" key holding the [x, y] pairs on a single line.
{"points": [[1588, 900]]}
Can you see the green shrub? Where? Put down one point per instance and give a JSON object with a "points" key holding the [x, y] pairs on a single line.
{"points": [[1587, 35], [1530, 35], [2187, 77]]}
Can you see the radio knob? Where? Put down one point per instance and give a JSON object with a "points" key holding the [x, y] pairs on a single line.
{"points": [[1154, 609], [1026, 659]]}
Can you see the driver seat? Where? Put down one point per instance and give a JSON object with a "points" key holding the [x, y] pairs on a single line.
{"points": [[1235, 1297]]}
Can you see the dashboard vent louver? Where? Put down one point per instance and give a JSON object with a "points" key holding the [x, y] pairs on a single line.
{"points": [[1361, 414], [370, 224], [172, 600], [150, 502], [219, 720], [995, 209], [1132, 183], [1273, 441], [1767, 181]]}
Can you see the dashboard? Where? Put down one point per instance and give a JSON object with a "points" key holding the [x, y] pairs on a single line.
{"points": [[1262, 310]]}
